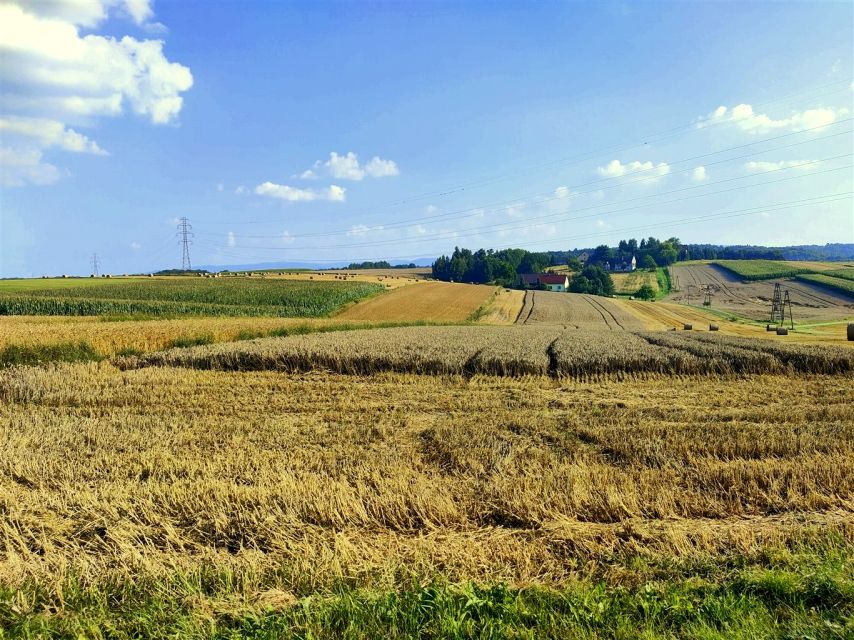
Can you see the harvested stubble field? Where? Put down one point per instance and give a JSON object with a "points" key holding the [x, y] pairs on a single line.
{"points": [[510, 351], [576, 310], [423, 301], [166, 501], [752, 300]]}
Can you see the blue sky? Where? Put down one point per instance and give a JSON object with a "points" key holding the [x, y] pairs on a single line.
{"points": [[324, 132]]}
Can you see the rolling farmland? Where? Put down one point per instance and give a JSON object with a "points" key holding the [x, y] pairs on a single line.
{"points": [[753, 299], [430, 301], [548, 454]]}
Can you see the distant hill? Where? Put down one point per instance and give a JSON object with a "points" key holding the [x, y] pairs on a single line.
{"points": [[261, 266]]}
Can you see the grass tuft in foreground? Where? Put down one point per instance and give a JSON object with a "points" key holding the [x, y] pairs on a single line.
{"points": [[777, 594]]}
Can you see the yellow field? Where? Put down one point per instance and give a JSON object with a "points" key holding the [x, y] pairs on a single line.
{"points": [[629, 283], [428, 301], [389, 278], [504, 308], [657, 316], [294, 481], [108, 338]]}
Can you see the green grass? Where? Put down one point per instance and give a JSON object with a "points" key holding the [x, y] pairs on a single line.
{"points": [[777, 593], [662, 275], [839, 284], [180, 297], [760, 269], [15, 354], [846, 274]]}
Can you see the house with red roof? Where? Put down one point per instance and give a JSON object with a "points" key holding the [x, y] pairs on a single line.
{"points": [[551, 281]]}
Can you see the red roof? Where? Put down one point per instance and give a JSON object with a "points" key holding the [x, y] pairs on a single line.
{"points": [[552, 278]]}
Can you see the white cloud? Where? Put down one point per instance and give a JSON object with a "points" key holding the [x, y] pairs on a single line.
{"points": [[645, 171], [232, 241], [135, 246], [562, 192], [220, 187], [333, 193], [53, 76], [745, 118], [361, 230], [430, 209], [699, 173], [379, 168], [48, 133], [287, 238], [241, 191], [22, 167], [347, 167], [763, 165]]}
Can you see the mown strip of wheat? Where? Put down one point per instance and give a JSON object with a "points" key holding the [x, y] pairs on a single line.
{"points": [[506, 351]]}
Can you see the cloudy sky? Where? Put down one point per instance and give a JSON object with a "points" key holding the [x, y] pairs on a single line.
{"points": [[324, 132]]}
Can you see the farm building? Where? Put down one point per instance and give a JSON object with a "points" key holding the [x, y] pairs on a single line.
{"points": [[552, 281], [622, 266]]}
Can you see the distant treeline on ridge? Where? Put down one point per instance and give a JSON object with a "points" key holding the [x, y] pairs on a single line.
{"points": [[504, 265]]}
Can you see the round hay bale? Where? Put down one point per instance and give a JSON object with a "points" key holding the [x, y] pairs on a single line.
{"points": [[770, 327], [782, 331], [688, 327], [713, 327], [851, 331]]}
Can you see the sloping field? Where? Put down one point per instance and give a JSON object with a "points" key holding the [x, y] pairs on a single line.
{"points": [[753, 299], [504, 308], [575, 310], [436, 301], [629, 283], [209, 500], [516, 350]]}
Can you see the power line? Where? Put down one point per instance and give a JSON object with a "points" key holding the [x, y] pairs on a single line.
{"points": [[184, 230], [581, 157], [816, 200], [536, 221], [476, 210]]}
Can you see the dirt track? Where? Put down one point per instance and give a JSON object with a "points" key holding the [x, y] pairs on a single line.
{"points": [[753, 299]]}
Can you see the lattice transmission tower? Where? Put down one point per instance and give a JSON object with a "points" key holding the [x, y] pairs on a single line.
{"points": [[96, 265], [185, 233]]}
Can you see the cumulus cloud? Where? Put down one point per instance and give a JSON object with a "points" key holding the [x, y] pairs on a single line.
{"points": [[53, 77], [348, 167], [21, 167], [48, 133], [135, 246], [333, 193], [231, 240], [287, 238], [644, 171], [699, 173], [562, 192], [745, 118], [764, 165]]}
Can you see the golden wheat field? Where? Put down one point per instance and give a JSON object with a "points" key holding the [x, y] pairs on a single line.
{"points": [[293, 481], [429, 301]]}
